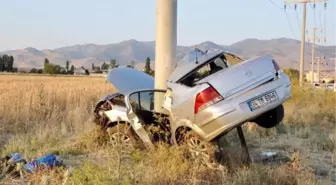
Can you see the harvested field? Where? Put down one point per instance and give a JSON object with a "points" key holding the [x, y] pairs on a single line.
{"points": [[44, 114]]}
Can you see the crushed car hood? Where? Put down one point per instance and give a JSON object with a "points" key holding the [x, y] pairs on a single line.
{"points": [[127, 80]]}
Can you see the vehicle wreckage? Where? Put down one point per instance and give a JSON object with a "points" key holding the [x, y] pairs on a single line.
{"points": [[205, 99]]}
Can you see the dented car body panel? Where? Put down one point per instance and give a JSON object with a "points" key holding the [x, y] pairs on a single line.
{"points": [[209, 95]]}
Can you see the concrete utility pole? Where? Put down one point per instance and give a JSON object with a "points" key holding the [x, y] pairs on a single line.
{"points": [[165, 48], [318, 68], [313, 51], [303, 32], [334, 67], [333, 59]]}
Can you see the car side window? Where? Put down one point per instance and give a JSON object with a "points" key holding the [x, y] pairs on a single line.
{"points": [[134, 101], [144, 100], [147, 100]]}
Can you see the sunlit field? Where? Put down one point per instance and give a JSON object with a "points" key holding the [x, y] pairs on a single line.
{"points": [[45, 114]]}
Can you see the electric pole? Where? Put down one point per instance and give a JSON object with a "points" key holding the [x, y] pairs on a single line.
{"points": [[334, 58], [318, 67], [165, 47], [334, 67], [313, 52], [303, 31]]}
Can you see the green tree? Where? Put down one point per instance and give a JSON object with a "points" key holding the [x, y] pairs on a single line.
{"points": [[46, 62], [72, 69], [2, 65], [104, 66], [58, 69], [33, 70], [39, 71], [147, 66], [10, 64], [67, 65], [113, 63], [6, 62], [50, 68]]}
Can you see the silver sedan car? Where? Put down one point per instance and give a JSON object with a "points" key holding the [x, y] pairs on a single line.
{"points": [[206, 98]]}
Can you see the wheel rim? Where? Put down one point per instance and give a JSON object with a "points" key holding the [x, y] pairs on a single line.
{"points": [[203, 151], [120, 138]]}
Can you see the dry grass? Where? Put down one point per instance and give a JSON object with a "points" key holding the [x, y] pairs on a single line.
{"points": [[41, 114]]}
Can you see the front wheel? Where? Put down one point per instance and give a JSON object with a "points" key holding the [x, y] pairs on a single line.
{"points": [[200, 150], [271, 118], [122, 134]]}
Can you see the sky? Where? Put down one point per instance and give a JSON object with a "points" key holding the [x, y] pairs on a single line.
{"points": [[57, 23]]}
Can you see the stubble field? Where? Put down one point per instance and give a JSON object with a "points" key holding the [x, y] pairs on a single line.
{"points": [[44, 114]]}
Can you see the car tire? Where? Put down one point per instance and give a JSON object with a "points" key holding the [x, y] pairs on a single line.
{"points": [[271, 118], [200, 150], [124, 135]]}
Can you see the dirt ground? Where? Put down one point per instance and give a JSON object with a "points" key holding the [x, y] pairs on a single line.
{"points": [[294, 149]]}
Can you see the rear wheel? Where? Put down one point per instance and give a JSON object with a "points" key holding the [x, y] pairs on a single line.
{"points": [[271, 118]]}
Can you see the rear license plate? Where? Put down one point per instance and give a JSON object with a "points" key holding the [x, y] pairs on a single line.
{"points": [[263, 100]]}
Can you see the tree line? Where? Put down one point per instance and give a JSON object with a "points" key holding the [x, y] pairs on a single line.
{"points": [[7, 63], [113, 64], [50, 68]]}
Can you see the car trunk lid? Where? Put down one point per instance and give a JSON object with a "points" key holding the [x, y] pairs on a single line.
{"points": [[242, 77]]}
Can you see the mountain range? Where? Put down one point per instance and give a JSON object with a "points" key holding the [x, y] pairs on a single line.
{"points": [[284, 50]]}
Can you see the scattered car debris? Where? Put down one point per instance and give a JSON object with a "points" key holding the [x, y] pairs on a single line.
{"points": [[206, 98]]}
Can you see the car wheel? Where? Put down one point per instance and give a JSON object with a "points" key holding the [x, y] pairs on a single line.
{"points": [[200, 150], [271, 118], [122, 135]]}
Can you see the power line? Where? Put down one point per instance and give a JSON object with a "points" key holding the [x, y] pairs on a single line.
{"points": [[290, 25], [288, 20], [275, 4], [297, 17]]}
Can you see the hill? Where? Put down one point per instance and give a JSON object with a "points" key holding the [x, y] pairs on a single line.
{"points": [[285, 51]]}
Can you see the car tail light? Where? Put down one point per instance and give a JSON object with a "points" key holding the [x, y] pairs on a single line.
{"points": [[207, 97]]}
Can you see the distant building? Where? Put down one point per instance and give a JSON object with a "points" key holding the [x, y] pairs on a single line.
{"points": [[323, 79], [310, 75], [81, 71]]}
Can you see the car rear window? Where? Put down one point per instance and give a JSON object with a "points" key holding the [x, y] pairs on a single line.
{"points": [[209, 68]]}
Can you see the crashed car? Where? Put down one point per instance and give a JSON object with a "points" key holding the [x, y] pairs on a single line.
{"points": [[206, 98]]}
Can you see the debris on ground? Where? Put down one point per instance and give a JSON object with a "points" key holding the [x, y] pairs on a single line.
{"points": [[15, 165]]}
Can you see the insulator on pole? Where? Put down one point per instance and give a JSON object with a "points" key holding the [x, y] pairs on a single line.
{"points": [[314, 5], [285, 6], [325, 5], [295, 6]]}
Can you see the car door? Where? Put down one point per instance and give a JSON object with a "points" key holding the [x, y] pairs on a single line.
{"points": [[141, 110]]}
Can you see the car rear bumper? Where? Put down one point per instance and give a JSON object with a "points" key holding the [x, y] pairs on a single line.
{"points": [[232, 112]]}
